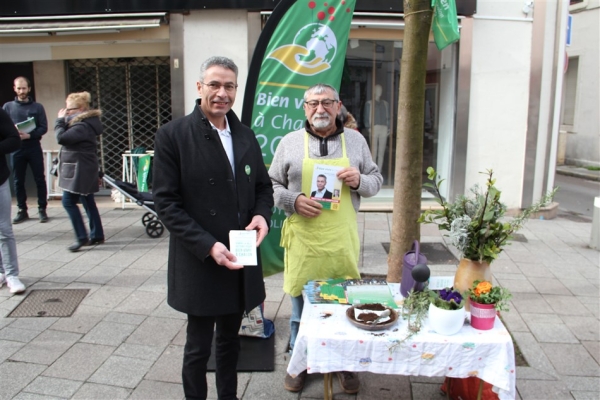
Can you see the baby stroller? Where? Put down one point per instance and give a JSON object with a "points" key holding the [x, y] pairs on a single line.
{"points": [[154, 228]]}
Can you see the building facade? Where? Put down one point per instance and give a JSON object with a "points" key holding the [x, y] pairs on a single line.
{"points": [[491, 98]]}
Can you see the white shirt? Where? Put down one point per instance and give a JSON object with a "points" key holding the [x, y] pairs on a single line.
{"points": [[226, 141], [320, 194]]}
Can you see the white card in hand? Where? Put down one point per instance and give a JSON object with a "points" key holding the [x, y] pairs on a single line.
{"points": [[243, 245]]}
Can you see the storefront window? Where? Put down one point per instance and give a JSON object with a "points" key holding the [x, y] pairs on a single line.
{"points": [[369, 90]]}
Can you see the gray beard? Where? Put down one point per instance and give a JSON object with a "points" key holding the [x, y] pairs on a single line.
{"points": [[320, 123]]}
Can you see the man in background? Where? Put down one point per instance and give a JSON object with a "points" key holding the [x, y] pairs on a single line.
{"points": [[30, 153]]}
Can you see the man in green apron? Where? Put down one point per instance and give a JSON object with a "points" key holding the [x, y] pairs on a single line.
{"points": [[320, 236]]}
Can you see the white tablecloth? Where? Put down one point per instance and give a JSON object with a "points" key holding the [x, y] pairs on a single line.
{"points": [[333, 344]]}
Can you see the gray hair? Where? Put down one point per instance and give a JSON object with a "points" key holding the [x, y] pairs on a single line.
{"points": [[224, 62], [320, 88]]}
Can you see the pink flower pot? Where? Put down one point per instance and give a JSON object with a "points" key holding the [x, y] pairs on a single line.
{"points": [[483, 316]]}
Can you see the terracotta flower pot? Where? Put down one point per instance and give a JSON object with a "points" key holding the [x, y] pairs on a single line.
{"points": [[483, 316], [469, 271], [446, 322]]}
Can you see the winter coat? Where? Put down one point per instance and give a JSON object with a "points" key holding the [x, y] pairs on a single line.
{"points": [[199, 200], [78, 157]]}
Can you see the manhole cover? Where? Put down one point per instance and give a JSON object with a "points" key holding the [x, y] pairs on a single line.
{"points": [[435, 252], [50, 303]]}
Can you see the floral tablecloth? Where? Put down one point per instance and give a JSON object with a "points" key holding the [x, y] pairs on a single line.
{"points": [[328, 342]]}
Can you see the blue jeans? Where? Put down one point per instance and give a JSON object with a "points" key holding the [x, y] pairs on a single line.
{"points": [[297, 306], [34, 156], [69, 202], [8, 246]]}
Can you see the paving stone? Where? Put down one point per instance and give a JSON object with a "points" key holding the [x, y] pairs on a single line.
{"points": [[131, 277], [552, 333], [17, 335], [566, 305], [157, 390], [549, 286], [150, 353], [109, 333], [53, 387], [21, 374], [121, 371], [547, 390], [100, 274], [593, 348], [517, 285], [107, 296], [79, 362], [531, 303], [581, 287], [539, 318], [34, 396], [571, 359], [168, 367], [164, 310], [33, 324], [46, 347], [181, 337], [8, 348], [419, 391], [142, 303], [584, 328], [77, 323], [533, 353], [268, 386], [156, 331], [581, 395], [124, 318], [156, 283], [101, 392]]}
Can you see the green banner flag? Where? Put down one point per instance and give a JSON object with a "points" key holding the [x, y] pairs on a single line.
{"points": [[445, 23], [303, 43]]}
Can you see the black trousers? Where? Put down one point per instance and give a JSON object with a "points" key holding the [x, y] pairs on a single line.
{"points": [[197, 352], [34, 157]]}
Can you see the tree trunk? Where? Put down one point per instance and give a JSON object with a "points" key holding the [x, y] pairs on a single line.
{"points": [[418, 15]]}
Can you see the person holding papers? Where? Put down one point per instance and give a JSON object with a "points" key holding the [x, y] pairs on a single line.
{"points": [[22, 109], [210, 179], [320, 243]]}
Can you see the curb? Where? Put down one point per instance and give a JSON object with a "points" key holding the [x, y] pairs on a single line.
{"points": [[579, 174]]}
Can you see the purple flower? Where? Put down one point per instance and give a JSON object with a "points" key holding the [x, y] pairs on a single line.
{"points": [[449, 299]]}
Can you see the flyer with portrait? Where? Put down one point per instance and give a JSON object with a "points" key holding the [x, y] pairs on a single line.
{"points": [[26, 126], [326, 188]]}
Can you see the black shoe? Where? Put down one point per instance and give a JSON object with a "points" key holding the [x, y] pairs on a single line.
{"points": [[21, 216], [77, 245], [42, 214], [94, 242]]}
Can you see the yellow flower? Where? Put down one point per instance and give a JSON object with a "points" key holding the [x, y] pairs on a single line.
{"points": [[483, 287]]}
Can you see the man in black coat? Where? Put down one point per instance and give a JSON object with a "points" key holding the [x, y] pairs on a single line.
{"points": [[209, 179]]}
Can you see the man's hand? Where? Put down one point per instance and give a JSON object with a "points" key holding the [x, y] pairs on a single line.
{"points": [[350, 176], [224, 257], [24, 135], [259, 224], [307, 208]]}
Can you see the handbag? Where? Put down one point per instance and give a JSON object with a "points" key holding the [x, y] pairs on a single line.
{"points": [[255, 324]]}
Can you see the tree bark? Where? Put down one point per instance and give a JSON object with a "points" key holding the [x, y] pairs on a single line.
{"points": [[418, 15]]}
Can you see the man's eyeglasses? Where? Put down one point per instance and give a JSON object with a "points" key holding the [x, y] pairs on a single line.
{"points": [[313, 104], [216, 86]]}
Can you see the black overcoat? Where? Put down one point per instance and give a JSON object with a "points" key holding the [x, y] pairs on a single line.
{"points": [[199, 201]]}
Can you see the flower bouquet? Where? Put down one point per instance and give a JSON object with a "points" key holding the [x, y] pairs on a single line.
{"points": [[486, 300], [446, 311]]}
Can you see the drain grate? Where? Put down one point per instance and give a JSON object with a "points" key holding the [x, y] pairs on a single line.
{"points": [[436, 253], [50, 303]]}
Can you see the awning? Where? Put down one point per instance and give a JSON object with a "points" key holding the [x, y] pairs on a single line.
{"points": [[79, 24]]}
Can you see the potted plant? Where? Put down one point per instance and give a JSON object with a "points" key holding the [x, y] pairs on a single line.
{"points": [[486, 301], [446, 311], [475, 226]]}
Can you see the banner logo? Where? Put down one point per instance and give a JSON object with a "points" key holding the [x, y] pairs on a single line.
{"points": [[312, 51]]}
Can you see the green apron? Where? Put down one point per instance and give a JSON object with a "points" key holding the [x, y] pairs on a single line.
{"points": [[323, 247]]}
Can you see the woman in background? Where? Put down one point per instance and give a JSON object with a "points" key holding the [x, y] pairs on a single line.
{"points": [[77, 129]]}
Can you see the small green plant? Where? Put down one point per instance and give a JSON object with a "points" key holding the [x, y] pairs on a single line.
{"points": [[483, 292], [447, 299], [474, 223], [591, 168], [415, 309]]}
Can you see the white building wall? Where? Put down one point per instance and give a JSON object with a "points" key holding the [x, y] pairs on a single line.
{"points": [[583, 146], [499, 97], [210, 33]]}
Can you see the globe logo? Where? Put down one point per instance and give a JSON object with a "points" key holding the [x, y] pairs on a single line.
{"points": [[313, 49], [319, 40]]}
